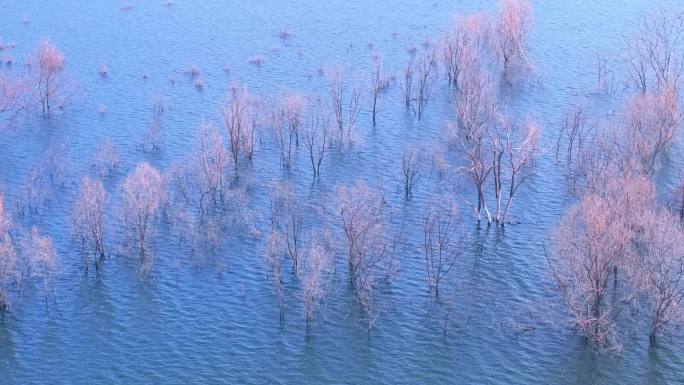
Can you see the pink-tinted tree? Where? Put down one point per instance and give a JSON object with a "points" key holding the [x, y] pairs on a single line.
{"points": [[8, 257], [318, 265], [143, 194], [460, 46], [213, 163], [287, 219], [48, 74], [106, 158], [239, 124], [361, 211], [512, 31], [593, 242], [661, 264], [443, 240], [88, 221], [652, 122], [273, 260], [11, 92], [41, 254], [654, 59]]}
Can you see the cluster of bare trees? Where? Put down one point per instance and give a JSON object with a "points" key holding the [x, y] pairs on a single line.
{"points": [[616, 245], [654, 52], [619, 248], [311, 256], [24, 257]]}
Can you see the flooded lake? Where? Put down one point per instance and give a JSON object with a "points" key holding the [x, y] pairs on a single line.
{"points": [[209, 314]]}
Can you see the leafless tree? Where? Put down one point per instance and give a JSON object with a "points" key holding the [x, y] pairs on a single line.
{"points": [[317, 136], [662, 264], [239, 127], [461, 45], [213, 163], [106, 158], [651, 122], [443, 241], [273, 252], [287, 219], [88, 221], [411, 169], [475, 100], [512, 32], [336, 97], [11, 95], [143, 195], [520, 156], [654, 52], [43, 259], [318, 265], [426, 74], [47, 73], [407, 79], [379, 83], [361, 211], [8, 257], [478, 169]]}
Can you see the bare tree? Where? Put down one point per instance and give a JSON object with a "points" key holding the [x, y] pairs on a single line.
{"points": [[379, 83], [88, 221], [48, 74], [318, 265], [651, 121], [143, 195], [654, 52], [11, 93], [273, 252], [317, 136], [443, 240], [354, 108], [336, 97], [43, 259], [512, 31], [478, 169], [287, 219], [520, 156], [411, 169], [407, 79], [8, 257], [106, 158], [237, 123], [460, 46], [662, 265], [475, 100], [213, 163], [361, 213], [426, 74]]}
